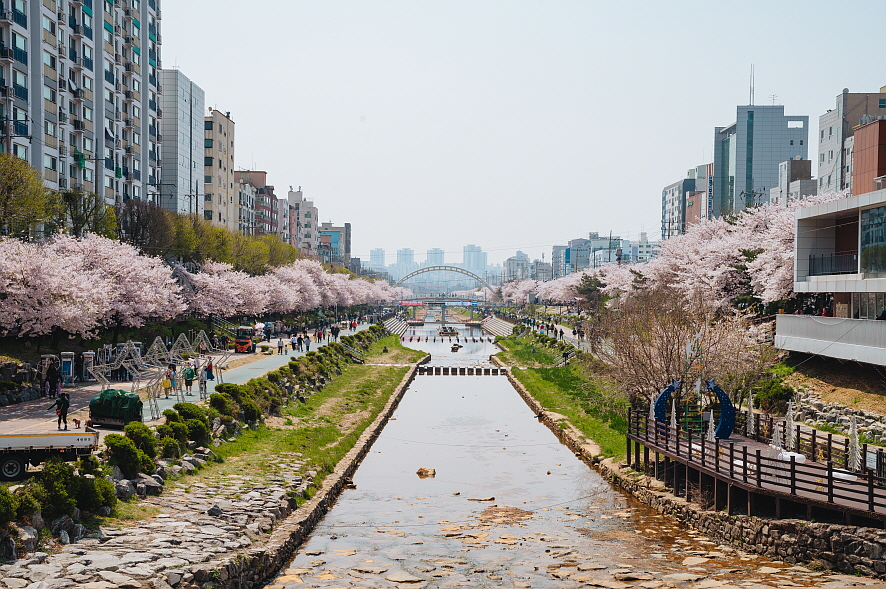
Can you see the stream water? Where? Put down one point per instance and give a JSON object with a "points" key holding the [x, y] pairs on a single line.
{"points": [[509, 505]]}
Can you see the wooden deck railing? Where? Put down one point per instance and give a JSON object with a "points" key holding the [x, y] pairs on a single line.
{"points": [[756, 465]]}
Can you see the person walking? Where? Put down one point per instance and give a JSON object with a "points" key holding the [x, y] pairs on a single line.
{"points": [[62, 404], [293, 342], [308, 343], [300, 341], [201, 383], [189, 375], [167, 382]]}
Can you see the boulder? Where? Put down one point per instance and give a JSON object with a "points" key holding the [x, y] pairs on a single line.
{"points": [[8, 550], [125, 489], [64, 538], [214, 511], [28, 538], [424, 473], [117, 474], [104, 511], [61, 524], [78, 532]]}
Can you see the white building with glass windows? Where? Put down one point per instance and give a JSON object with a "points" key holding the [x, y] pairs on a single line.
{"points": [[182, 178], [840, 261]]}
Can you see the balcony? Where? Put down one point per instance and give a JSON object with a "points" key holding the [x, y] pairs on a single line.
{"points": [[829, 264], [862, 340], [109, 163], [76, 30], [87, 63], [20, 55], [20, 128], [109, 77], [19, 18], [20, 91]]}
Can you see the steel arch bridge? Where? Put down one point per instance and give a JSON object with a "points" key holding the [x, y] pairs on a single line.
{"points": [[444, 269]]}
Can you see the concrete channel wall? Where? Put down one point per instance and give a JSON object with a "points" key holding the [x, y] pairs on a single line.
{"points": [[849, 549], [258, 565]]}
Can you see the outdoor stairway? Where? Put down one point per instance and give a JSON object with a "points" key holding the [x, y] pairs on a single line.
{"points": [[396, 326], [497, 327]]}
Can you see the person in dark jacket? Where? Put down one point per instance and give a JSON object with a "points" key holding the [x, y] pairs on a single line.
{"points": [[62, 404]]}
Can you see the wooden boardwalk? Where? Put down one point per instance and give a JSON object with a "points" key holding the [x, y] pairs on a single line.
{"points": [[740, 473]]}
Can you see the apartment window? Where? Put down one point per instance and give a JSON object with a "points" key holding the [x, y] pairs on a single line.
{"points": [[108, 36], [207, 161], [48, 25], [136, 191], [109, 182], [87, 83], [109, 95], [87, 113], [87, 144], [801, 142], [137, 113], [207, 179], [20, 151], [49, 60], [822, 135], [88, 175], [830, 155], [207, 197], [136, 85], [109, 66], [50, 163], [830, 132], [792, 141], [881, 103], [87, 21], [136, 58], [49, 94], [136, 165], [136, 139], [207, 143], [821, 158], [207, 125], [19, 79], [109, 7], [207, 215], [50, 128]]}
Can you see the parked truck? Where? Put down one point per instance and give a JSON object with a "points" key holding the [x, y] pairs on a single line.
{"points": [[18, 450]]}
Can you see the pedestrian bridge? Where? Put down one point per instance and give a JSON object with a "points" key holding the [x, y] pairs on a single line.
{"points": [[443, 269]]}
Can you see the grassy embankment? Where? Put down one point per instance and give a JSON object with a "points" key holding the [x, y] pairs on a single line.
{"points": [[324, 428], [580, 391]]}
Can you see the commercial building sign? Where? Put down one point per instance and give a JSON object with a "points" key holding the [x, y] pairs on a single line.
{"points": [[412, 303], [710, 211]]}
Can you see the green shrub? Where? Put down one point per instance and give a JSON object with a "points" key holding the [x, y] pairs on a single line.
{"points": [[170, 447], [164, 431], [90, 465], [127, 457], [772, 396], [189, 411], [223, 403], [171, 416], [251, 411], [92, 493], [9, 505], [232, 390], [198, 431], [274, 377], [179, 432], [27, 506], [56, 488], [142, 436]]}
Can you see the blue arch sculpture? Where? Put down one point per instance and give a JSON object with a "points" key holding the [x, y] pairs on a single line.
{"points": [[727, 412], [661, 402]]}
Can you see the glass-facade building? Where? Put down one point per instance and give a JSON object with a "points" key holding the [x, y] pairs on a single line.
{"points": [[182, 177]]}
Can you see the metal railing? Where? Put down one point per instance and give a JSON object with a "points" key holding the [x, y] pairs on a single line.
{"points": [[827, 264], [763, 467]]}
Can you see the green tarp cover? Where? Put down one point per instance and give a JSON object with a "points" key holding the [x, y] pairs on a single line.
{"points": [[116, 404]]}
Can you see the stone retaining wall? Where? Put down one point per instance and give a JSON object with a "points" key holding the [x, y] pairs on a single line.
{"points": [[850, 549], [258, 565], [810, 408]]}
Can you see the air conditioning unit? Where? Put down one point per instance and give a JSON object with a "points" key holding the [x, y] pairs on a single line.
{"points": [[78, 124], [63, 150], [62, 17]]}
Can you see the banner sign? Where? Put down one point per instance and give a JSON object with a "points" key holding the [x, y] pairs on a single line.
{"points": [[411, 303]]}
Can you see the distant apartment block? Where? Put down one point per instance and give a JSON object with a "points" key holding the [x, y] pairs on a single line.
{"points": [[304, 234], [221, 204], [335, 244], [835, 135]]}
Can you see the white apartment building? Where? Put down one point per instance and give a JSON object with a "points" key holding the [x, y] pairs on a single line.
{"points": [[305, 235], [79, 93]]}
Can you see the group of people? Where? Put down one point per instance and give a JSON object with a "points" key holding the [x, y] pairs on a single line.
{"points": [[173, 380], [300, 341]]}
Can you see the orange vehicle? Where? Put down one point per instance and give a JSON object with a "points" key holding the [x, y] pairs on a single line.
{"points": [[243, 342]]}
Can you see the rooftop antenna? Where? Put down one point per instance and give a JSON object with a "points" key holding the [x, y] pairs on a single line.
{"points": [[773, 98], [752, 86]]}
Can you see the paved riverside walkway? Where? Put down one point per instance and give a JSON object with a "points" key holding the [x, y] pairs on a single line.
{"points": [[33, 417]]}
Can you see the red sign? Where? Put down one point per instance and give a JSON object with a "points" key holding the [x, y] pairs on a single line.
{"points": [[412, 303]]}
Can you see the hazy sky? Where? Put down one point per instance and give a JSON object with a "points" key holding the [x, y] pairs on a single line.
{"points": [[508, 124]]}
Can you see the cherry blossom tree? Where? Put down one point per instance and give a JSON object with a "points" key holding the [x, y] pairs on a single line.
{"points": [[44, 291]]}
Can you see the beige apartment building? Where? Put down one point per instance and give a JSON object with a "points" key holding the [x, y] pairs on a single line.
{"points": [[222, 193], [79, 93]]}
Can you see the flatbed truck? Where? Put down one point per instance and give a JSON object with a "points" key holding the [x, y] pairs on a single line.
{"points": [[18, 450]]}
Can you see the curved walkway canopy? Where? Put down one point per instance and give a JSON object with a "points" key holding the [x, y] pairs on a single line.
{"points": [[444, 269]]}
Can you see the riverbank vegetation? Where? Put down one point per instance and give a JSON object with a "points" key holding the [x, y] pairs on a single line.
{"points": [[580, 391]]}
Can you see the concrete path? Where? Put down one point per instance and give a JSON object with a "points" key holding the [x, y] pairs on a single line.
{"points": [[34, 417]]}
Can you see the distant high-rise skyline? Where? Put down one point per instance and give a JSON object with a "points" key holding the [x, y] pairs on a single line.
{"points": [[435, 257]]}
